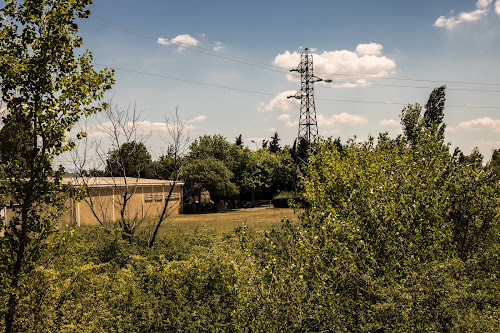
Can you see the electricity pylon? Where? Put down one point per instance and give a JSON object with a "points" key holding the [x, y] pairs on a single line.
{"points": [[308, 125]]}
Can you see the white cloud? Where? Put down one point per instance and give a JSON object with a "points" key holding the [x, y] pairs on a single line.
{"points": [[181, 40], [280, 102], [286, 119], [355, 84], [497, 7], [389, 122], [369, 49], [355, 65], [218, 46], [197, 119], [163, 41], [272, 130], [341, 120], [483, 4], [485, 123], [482, 9]]}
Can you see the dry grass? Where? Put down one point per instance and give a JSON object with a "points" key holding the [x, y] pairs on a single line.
{"points": [[259, 219]]}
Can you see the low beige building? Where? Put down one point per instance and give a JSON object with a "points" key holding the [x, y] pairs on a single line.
{"points": [[105, 197]]}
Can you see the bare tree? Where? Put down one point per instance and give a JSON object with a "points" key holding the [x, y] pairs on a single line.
{"points": [[120, 136], [121, 128], [177, 140]]}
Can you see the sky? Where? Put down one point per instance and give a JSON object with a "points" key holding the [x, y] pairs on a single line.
{"points": [[391, 53]]}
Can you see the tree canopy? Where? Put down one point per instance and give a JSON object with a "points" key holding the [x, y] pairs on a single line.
{"points": [[132, 159]]}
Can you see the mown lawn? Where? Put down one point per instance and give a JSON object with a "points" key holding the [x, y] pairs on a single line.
{"points": [[259, 219]]}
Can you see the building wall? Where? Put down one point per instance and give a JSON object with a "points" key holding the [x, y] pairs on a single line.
{"points": [[104, 203]]}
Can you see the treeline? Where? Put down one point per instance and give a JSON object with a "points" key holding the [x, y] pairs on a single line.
{"points": [[230, 172], [397, 235]]}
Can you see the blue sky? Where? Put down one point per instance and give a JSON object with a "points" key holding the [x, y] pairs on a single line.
{"points": [[439, 41]]}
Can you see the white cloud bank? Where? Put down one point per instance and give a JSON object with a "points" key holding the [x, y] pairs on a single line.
{"points": [[485, 123], [286, 119], [342, 119], [367, 60], [482, 9], [280, 102], [389, 122], [369, 49], [181, 40]]}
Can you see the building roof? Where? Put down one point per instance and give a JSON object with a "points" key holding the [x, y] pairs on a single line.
{"points": [[73, 181]]}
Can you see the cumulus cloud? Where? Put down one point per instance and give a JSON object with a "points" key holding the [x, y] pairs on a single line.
{"points": [[280, 102], [181, 40], [485, 123], [369, 49], [497, 7], [286, 119], [389, 122], [342, 119], [482, 9], [218, 46], [365, 61]]}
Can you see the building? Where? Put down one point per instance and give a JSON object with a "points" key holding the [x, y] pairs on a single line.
{"points": [[103, 202]]}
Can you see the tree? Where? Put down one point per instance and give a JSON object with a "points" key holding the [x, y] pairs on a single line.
{"points": [[274, 144], [132, 159], [431, 123], [239, 141], [494, 165], [122, 130], [210, 175], [14, 139], [46, 89], [177, 139], [434, 111]]}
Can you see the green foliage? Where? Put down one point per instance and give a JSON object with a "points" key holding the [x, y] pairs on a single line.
{"points": [[494, 165], [434, 111], [274, 144], [256, 174], [238, 141], [46, 88], [210, 175], [132, 159], [163, 168]]}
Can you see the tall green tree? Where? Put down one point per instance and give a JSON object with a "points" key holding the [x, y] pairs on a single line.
{"points": [[239, 141], [132, 159], [434, 111], [210, 175], [274, 144], [46, 86], [494, 165]]}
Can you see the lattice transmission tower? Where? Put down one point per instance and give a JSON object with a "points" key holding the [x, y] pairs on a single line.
{"points": [[308, 124]]}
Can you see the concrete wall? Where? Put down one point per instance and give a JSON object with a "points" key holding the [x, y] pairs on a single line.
{"points": [[104, 203]]}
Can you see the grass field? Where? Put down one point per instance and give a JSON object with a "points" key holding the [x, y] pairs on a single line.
{"points": [[260, 219]]}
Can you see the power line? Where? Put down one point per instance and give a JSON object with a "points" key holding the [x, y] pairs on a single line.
{"points": [[275, 68], [271, 94], [420, 87], [201, 50]]}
